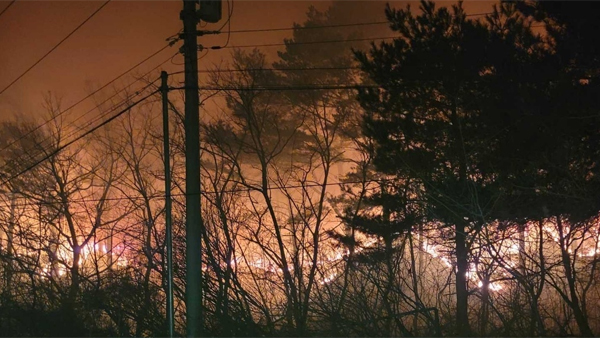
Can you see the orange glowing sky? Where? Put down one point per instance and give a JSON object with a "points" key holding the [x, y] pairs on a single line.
{"points": [[124, 33]]}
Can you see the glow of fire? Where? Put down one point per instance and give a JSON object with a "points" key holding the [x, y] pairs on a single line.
{"points": [[94, 250]]}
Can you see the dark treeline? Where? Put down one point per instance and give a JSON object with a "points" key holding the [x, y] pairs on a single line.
{"points": [[441, 183]]}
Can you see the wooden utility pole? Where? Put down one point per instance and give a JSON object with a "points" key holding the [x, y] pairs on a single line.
{"points": [[193, 221], [164, 88]]}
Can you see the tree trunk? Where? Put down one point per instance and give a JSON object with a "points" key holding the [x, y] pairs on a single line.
{"points": [[535, 310], [74, 289], [485, 299], [9, 246], [574, 303], [462, 267]]}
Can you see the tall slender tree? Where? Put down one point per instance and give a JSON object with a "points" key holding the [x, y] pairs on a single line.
{"points": [[422, 116]]}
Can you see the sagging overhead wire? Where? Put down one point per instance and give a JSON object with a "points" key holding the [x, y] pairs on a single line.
{"points": [[7, 7], [64, 146], [62, 112], [229, 32], [281, 29], [304, 43], [230, 70], [282, 88], [357, 24], [112, 109], [124, 100], [55, 46], [333, 86], [228, 23], [68, 135]]}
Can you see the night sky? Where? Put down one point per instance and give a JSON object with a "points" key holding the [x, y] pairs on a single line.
{"points": [[124, 33]]}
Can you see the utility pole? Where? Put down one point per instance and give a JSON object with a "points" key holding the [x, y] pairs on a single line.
{"points": [[193, 221], [164, 88]]}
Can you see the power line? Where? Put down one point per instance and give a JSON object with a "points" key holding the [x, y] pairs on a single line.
{"points": [[7, 7], [85, 98], [279, 44], [284, 88], [56, 46], [99, 118], [228, 23], [239, 70], [97, 106], [74, 132], [304, 43], [356, 24], [124, 100], [201, 71], [309, 27], [399, 83], [67, 136], [61, 148], [294, 88]]}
